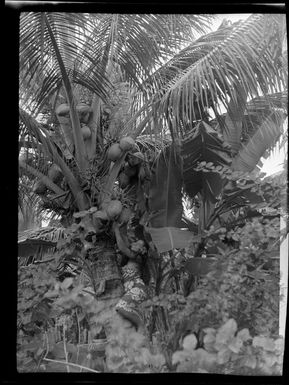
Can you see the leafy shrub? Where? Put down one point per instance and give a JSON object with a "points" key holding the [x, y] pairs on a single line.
{"points": [[129, 351], [227, 350], [53, 322], [243, 283]]}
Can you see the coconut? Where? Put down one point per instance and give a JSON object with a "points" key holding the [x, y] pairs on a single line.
{"points": [[39, 188], [100, 214], [84, 112], [54, 173], [86, 132], [125, 215], [135, 159], [62, 109], [114, 152], [126, 143], [114, 209], [83, 108], [123, 180]]}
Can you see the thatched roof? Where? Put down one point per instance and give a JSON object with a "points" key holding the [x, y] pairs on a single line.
{"points": [[38, 241]]}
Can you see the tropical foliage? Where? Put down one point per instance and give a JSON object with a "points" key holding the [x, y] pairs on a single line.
{"points": [[227, 350], [124, 120]]}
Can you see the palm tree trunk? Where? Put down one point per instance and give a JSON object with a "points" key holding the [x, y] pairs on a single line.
{"points": [[105, 273], [107, 285]]}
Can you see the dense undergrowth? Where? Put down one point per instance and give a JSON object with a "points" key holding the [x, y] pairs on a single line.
{"points": [[229, 323]]}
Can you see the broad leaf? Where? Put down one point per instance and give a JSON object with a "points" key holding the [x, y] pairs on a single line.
{"points": [[232, 128], [224, 355], [244, 335], [169, 238], [236, 196], [66, 283], [190, 342], [199, 266], [204, 145], [165, 199], [264, 342], [226, 332]]}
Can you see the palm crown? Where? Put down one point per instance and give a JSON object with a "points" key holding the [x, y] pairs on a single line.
{"points": [[165, 90], [89, 80]]}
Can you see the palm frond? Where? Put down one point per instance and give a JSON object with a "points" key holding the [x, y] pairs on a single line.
{"points": [[39, 242], [263, 139], [77, 136], [51, 152], [37, 58], [140, 43], [40, 176], [202, 75], [261, 104], [27, 201], [137, 43], [182, 60]]}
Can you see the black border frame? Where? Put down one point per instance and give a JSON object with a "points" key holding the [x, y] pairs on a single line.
{"points": [[11, 14]]}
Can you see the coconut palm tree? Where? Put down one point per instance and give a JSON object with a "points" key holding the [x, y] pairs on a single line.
{"points": [[118, 110], [85, 59]]}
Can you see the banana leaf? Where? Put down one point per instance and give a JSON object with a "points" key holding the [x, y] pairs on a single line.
{"points": [[169, 238], [204, 145], [165, 198], [199, 266]]}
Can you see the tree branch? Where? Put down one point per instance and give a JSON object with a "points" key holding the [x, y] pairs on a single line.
{"points": [[71, 364]]}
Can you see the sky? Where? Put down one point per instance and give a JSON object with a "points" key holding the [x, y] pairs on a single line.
{"points": [[231, 16]]}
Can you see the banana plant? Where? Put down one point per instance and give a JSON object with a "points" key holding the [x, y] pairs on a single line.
{"points": [[206, 146]]}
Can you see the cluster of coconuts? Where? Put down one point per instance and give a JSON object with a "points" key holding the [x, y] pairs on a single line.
{"points": [[84, 112], [112, 210], [54, 173], [91, 221], [132, 161]]}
